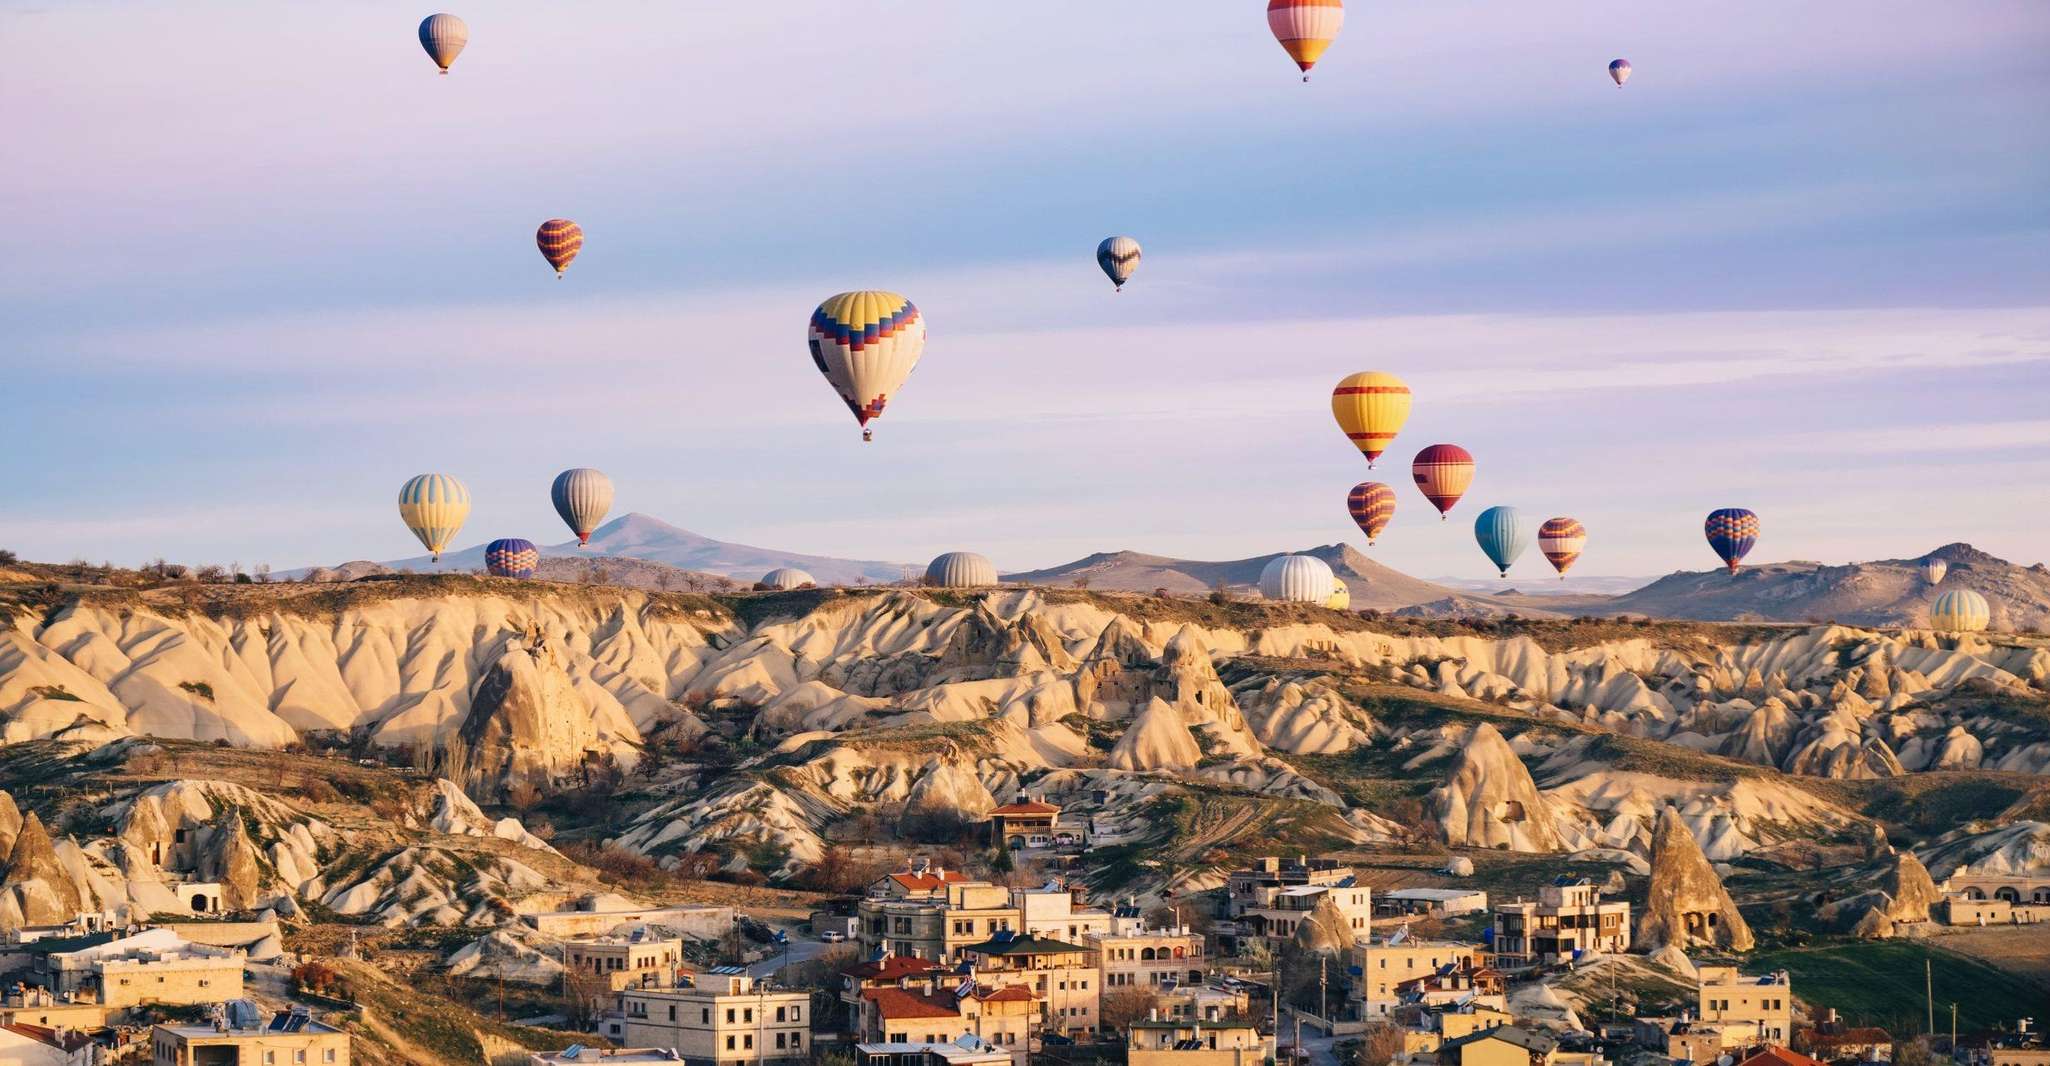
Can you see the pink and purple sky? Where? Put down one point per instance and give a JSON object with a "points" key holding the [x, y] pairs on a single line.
{"points": [[266, 265]]}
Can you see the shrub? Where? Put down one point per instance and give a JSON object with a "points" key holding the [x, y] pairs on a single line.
{"points": [[7, 557], [198, 688]]}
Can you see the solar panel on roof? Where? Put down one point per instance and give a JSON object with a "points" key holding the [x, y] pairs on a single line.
{"points": [[573, 1052]]}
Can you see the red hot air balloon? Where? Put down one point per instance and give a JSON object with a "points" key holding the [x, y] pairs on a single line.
{"points": [[1443, 472], [1372, 505]]}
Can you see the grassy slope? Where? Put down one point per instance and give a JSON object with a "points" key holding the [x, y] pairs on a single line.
{"points": [[1881, 983]]}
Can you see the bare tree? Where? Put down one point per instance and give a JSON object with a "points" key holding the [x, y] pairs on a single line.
{"points": [[1120, 1007]]}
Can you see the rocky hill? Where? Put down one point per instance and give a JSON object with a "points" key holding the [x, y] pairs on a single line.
{"points": [[1887, 592], [618, 570], [1373, 585]]}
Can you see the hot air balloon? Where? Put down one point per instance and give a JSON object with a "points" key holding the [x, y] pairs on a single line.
{"points": [[1561, 540], [581, 496], [433, 506], [785, 578], [1305, 28], [1933, 570], [1620, 70], [512, 558], [1119, 257], [1443, 471], [1731, 532], [444, 37], [866, 343], [560, 241], [1370, 407], [1503, 534], [1297, 579], [1960, 611], [1372, 505], [960, 570], [1341, 597]]}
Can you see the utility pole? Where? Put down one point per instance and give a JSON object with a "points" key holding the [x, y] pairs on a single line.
{"points": [[1929, 991], [1953, 1031], [1323, 990]]}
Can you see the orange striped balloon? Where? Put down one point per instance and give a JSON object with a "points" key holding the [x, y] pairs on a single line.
{"points": [[560, 241], [1561, 539], [1443, 472], [1371, 505], [1305, 28]]}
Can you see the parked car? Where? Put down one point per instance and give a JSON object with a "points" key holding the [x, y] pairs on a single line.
{"points": [[832, 936]]}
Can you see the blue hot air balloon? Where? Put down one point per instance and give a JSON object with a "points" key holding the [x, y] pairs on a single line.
{"points": [[1503, 534], [1731, 532], [512, 557]]}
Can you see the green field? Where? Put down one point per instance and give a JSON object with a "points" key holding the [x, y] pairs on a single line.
{"points": [[1881, 983]]}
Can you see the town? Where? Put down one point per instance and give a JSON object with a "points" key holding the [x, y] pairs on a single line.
{"points": [[1293, 959]]}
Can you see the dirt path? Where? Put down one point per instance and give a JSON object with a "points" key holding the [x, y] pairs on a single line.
{"points": [[2018, 949]]}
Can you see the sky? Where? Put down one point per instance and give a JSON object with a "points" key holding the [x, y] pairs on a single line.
{"points": [[266, 265]]}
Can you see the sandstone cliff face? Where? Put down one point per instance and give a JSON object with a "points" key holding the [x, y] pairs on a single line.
{"points": [[1903, 896], [1156, 740], [230, 859], [1326, 931], [1490, 800], [36, 889], [530, 721], [1687, 905], [10, 823]]}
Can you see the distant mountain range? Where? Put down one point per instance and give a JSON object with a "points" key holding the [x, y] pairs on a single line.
{"points": [[639, 536], [643, 551], [1886, 592]]}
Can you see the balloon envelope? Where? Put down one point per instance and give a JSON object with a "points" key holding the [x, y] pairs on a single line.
{"points": [[1297, 579], [434, 506], [1503, 534], [1620, 71], [559, 240], [1370, 407], [1960, 611], [1372, 506], [1561, 539], [1119, 257], [1731, 532], [444, 37], [1443, 472], [581, 496], [785, 578], [866, 344], [960, 570], [1305, 28], [511, 557], [1933, 570], [1341, 597]]}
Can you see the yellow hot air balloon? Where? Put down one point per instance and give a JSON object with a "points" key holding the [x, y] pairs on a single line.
{"points": [[1370, 407], [434, 506]]}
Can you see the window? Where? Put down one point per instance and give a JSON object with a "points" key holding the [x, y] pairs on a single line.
{"points": [[797, 1014], [729, 1041], [796, 1041], [328, 1055], [779, 1013], [779, 1041], [748, 1041], [299, 1056], [672, 1012], [729, 1015], [705, 1016], [748, 1015], [269, 1057]]}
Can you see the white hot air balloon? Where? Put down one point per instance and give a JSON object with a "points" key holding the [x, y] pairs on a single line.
{"points": [[582, 496], [1298, 579], [1933, 570], [443, 36], [785, 579], [961, 570]]}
